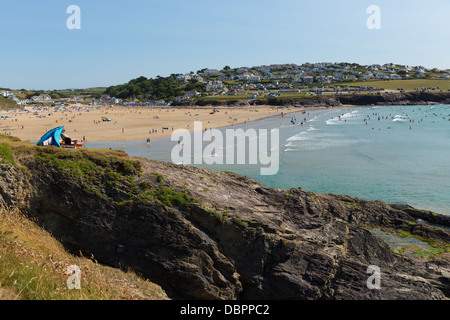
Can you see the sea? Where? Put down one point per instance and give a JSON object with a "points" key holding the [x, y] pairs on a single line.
{"points": [[395, 154]]}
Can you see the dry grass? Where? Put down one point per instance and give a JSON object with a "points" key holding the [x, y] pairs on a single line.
{"points": [[33, 266]]}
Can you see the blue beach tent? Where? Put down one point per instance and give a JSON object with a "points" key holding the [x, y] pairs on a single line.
{"points": [[51, 138]]}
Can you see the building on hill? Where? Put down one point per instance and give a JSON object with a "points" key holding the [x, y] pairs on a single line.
{"points": [[214, 85], [42, 98], [6, 93], [210, 72]]}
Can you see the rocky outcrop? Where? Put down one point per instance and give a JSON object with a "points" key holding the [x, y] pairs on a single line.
{"points": [[201, 234]]}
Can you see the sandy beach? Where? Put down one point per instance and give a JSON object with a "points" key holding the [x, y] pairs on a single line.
{"points": [[126, 123]]}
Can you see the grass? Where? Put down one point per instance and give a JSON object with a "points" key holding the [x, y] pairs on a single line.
{"points": [[6, 154], [33, 266], [409, 84], [6, 103], [98, 171], [170, 197], [221, 217], [94, 168]]}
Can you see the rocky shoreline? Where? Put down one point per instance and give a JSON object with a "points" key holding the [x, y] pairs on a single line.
{"points": [[208, 235]]}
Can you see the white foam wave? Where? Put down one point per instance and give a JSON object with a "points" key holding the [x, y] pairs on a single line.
{"points": [[400, 118], [340, 120]]}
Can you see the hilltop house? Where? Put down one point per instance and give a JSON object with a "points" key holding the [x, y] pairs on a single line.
{"points": [[254, 78], [41, 98], [419, 69], [6, 93], [187, 96], [184, 77], [338, 76], [395, 76], [381, 76], [210, 72], [191, 94], [214, 85], [368, 76], [197, 77]]}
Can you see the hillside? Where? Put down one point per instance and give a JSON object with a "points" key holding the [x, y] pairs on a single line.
{"points": [[34, 265], [6, 103], [201, 234]]}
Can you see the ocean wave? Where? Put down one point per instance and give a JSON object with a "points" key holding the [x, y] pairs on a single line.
{"points": [[400, 118], [342, 119]]}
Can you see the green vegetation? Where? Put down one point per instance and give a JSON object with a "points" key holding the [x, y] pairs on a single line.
{"points": [[221, 217], [97, 168], [33, 266], [350, 204], [408, 85], [403, 242], [167, 88], [288, 194], [6, 154], [90, 92], [170, 197], [6, 103], [240, 222], [102, 172], [93, 168]]}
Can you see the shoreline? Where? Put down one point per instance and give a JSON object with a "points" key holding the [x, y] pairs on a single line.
{"points": [[133, 123], [130, 123]]}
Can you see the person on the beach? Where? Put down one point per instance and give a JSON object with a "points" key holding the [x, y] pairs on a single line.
{"points": [[65, 138]]}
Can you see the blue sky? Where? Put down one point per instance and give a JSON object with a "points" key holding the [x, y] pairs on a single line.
{"points": [[122, 40]]}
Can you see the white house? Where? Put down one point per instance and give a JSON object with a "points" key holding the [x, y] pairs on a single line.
{"points": [[197, 77], [6, 93], [254, 78], [214, 85], [419, 69], [381, 76], [338, 76], [184, 78], [41, 98], [191, 94], [210, 72], [368, 76], [395, 76]]}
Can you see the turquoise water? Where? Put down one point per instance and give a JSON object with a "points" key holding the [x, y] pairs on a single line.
{"points": [[396, 154]]}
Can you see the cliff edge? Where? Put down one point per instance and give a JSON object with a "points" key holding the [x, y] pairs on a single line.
{"points": [[202, 234]]}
